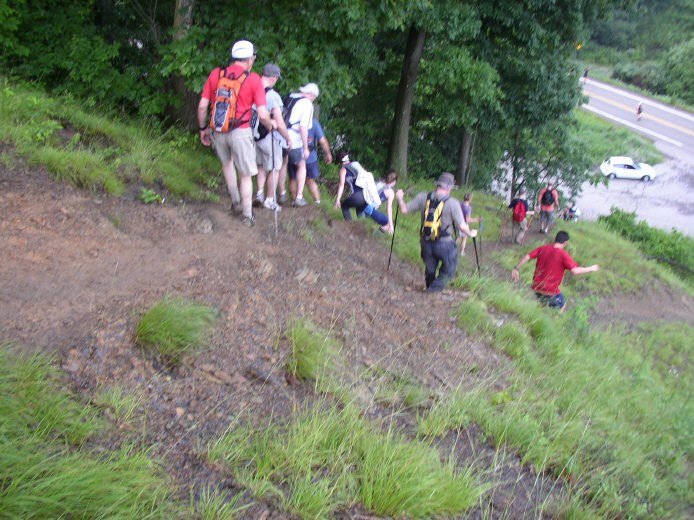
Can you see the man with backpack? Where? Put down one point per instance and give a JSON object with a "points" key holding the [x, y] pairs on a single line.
{"points": [[519, 221], [231, 92], [268, 146], [551, 262], [442, 218], [298, 115], [548, 199]]}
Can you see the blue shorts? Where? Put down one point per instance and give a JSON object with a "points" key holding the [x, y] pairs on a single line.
{"points": [[312, 170], [556, 301]]}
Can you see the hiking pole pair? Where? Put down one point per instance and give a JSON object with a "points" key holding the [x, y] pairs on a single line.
{"points": [[392, 240]]}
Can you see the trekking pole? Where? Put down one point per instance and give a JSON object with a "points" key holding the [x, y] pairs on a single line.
{"points": [[503, 226], [392, 240], [274, 177], [477, 258]]}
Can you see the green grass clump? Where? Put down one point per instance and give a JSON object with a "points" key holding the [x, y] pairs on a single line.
{"points": [[474, 317], [174, 327], [328, 459], [44, 472]]}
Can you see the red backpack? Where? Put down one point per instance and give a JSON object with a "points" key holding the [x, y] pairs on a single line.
{"points": [[223, 117], [519, 211]]}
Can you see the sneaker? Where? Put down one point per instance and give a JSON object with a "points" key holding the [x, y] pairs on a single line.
{"points": [[271, 204], [249, 221], [318, 203], [259, 199], [283, 198], [299, 202], [236, 208]]}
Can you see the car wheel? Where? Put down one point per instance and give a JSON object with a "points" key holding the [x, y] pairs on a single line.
{"points": [[613, 175], [646, 178]]}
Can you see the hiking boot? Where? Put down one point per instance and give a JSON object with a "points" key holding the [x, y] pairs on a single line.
{"points": [[271, 204], [248, 221], [282, 198], [259, 199], [299, 202]]}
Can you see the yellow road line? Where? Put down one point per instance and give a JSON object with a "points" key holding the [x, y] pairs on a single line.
{"points": [[644, 115]]}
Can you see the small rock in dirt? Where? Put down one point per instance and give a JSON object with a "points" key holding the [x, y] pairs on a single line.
{"points": [[179, 411]]}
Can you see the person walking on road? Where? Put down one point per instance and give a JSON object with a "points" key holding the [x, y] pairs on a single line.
{"points": [[639, 111], [442, 218], [551, 262]]}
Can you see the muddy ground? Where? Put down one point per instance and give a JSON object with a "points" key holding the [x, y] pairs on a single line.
{"points": [[79, 268]]}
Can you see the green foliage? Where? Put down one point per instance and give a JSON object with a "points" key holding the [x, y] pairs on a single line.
{"points": [[150, 196], [329, 459], [679, 71], [674, 248], [174, 327], [45, 475]]}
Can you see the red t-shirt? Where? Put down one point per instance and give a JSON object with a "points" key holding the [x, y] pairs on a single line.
{"points": [[549, 269], [252, 92]]}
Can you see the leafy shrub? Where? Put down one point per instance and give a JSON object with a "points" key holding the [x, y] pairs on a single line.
{"points": [[648, 75]]}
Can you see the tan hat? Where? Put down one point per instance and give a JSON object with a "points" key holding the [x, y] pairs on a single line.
{"points": [[242, 50], [310, 88]]}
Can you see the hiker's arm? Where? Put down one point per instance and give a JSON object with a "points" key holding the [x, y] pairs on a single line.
{"points": [[582, 270], [515, 272], [325, 146], [340, 187], [400, 195], [390, 195], [303, 132], [202, 121], [464, 228], [281, 126]]}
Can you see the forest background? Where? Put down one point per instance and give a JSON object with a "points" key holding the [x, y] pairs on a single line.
{"points": [[422, 86]]}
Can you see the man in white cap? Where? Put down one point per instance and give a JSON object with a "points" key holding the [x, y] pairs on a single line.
{"points": [[299, 121], [232, 135], [269, 148], [442, 218]]}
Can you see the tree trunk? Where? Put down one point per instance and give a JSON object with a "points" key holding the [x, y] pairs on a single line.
{"points": [[397, 154], [183, 19], [462, 173]]}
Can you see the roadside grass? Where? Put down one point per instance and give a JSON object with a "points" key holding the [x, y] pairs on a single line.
{"points": [[173, 327], [102, 152], [46, 471], [609, 412], [327, 459], [605, 139]]}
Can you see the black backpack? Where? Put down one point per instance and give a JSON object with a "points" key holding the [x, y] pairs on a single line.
{"points": [[259, 129], [289, 101], [431, 223], [547, 198]]}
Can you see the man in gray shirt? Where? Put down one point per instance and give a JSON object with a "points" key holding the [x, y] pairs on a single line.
{"points": [[438, 249]]}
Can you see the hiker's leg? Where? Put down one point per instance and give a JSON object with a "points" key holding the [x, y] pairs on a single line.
{"points": [[355, 200], [221, 147], [282, 177], [379, 217], [312, 174], [232, 182], [431, 263], [300, 179], [463, 243], [243, 151], [447, 252]]}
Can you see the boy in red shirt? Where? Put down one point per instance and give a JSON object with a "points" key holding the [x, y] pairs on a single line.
{"points": [[551, 262]]}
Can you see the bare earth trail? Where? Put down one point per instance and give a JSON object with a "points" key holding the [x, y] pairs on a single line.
{"points": [[78, 269]]}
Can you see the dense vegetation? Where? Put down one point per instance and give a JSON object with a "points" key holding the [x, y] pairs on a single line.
{"points": [[650, 45], [481, 82]]}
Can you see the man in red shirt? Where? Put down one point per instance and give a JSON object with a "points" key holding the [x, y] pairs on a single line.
{"points": [[236, 148], [551, 262]]}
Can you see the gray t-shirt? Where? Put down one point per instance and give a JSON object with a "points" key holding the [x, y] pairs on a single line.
{"points": [[451, 216]]}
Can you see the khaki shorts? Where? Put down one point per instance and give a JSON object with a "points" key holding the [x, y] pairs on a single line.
{"points": [[239, 146], [263, 153]]}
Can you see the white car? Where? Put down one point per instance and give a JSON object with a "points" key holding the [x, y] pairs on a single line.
{"points": [[627, 168]]}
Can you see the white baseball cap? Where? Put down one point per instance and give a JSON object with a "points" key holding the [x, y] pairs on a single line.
{"points": [[242, 50], [310, 88]]}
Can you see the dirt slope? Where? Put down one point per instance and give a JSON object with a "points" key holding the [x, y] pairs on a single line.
{"points": [[79, 268]]}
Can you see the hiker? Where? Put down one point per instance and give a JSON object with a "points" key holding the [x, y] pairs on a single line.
{"points": [[639, 111], [229, 133], [519, 221], [442, 218], [362, 193], [466, 207], [315, 135], [268, 148], [571, 212], [548, 199], [298, 123], [386, 193], [551, 262]]}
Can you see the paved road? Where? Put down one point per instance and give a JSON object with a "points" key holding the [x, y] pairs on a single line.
{"points": [[668, 201]]}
